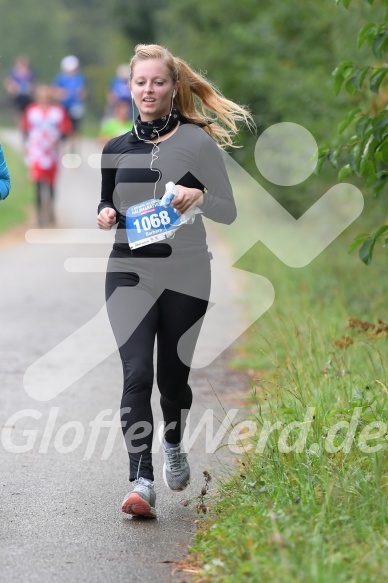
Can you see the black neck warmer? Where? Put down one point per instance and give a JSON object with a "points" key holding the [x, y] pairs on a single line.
{"points": [[147, 130]]}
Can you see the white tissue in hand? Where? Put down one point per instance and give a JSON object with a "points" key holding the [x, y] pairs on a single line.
{"points": [[169, 194], [186, 218]]}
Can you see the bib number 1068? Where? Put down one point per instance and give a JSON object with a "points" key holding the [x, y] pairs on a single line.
{"points": [[152, 222]]}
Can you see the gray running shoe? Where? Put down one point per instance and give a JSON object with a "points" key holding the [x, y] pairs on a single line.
{"points": [[141, 501], [176, 470]]}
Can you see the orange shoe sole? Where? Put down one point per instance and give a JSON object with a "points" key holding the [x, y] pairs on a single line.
{"points": [[136, 506]]}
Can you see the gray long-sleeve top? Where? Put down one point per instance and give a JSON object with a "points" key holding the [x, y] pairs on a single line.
{"points": [[189, 157]]}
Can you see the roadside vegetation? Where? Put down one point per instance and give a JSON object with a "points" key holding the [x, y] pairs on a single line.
{"points": [[318, 512], [15, 208], [309, 500]]}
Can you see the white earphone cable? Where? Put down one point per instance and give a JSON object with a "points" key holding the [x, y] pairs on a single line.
{"points": [[155, 147]]}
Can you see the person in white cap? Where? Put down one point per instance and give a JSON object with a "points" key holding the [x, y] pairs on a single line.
{"points": [[71, 90]]}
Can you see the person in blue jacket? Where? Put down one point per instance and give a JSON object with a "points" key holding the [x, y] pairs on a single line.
{"points": [[71, 93], [119, 91], [5, 181], [19, 83]]}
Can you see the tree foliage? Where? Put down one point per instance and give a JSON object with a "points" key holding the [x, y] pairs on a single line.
{"points": [[275, 57], [139, 19], [47, 30], [362, 148]]}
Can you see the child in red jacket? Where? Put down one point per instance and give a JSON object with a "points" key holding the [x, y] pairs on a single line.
{"points": [[44, 124]]}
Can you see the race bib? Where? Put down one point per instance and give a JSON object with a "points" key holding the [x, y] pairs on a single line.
{"points": [[149, 222]]}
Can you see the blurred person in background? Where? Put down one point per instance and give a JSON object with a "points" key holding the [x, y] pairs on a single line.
{"points": [[19, 83], [5, 180], [71, 93], [119, 90], [44, 124], [118, 124]]}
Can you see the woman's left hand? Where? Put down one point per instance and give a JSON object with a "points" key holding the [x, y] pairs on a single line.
{"points": [[186, 198]]}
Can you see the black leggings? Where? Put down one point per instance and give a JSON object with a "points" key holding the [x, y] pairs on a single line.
{"points": [[160, 298]]}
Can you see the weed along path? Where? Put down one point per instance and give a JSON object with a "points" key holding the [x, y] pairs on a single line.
{"points": [[62, 456]]}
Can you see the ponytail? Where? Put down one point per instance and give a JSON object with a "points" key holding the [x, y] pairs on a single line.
{"points": [[201, 102]]}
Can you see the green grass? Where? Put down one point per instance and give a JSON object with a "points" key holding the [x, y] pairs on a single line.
{"points": [[319, 514], [90, 127], [14, 209], [8, 115]]}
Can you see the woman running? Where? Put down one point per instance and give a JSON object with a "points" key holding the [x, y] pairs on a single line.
{"points": [[161, 290]]}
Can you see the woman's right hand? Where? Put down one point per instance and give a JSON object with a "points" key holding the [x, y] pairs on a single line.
{"points": [[106, 219]]}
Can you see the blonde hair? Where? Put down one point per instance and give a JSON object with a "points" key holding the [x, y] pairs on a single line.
{"points": [[198, 100]]}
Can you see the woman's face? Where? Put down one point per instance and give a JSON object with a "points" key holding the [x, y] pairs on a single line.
{"points": [[152, 89]]}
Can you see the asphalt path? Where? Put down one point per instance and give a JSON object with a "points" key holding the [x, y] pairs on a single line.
{"points": [[61, 489]]}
